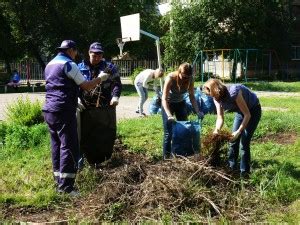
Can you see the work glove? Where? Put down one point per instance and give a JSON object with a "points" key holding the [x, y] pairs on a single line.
{"points": [[171, 119], [216, 132], [235, 135], [114, 101], [200, 115], [103, 76]]}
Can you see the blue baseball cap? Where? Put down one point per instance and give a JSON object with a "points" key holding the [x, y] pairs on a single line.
{"points": [[96, 47], [66, 44]]}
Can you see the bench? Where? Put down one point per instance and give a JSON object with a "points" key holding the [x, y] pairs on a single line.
{"points": [[32, 85]]}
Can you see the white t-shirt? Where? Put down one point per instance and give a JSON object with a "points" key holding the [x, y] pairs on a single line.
{"points": [[145, 77], [72, 71]]}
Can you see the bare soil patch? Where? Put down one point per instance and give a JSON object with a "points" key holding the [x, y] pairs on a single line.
{"points": [[279, 138]]}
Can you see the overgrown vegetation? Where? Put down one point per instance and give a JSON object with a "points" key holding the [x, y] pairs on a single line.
{"points": [[135, 185]]}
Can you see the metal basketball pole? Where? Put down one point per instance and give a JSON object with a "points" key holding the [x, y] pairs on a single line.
{"points": [[158, 52]]}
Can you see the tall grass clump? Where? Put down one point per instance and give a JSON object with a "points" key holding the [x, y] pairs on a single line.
{"points": [[24, 127], [25, 112]]}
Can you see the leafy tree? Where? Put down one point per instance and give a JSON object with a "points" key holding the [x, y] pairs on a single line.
{"points": [[40, 26], [234, 24], [8, 49]]}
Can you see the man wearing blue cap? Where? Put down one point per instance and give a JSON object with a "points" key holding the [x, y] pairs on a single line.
{"points": [[63, 77], [98, 114]]}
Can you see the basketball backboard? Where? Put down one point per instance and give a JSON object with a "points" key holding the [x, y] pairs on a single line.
{"points": [[130, 27]]}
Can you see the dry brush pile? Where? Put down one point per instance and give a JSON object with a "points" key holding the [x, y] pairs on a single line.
{"points": [[133, 188], [130, 187]]}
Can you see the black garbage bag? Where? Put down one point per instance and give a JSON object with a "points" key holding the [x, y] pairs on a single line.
{"points": [[98, 133]]}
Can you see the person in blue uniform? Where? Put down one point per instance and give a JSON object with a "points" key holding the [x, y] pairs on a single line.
{"points": [[98, 107], [63, 79]]}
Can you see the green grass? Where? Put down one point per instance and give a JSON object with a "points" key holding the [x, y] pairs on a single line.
{"points": [[274, 86], [129, 89], [26, 172]]}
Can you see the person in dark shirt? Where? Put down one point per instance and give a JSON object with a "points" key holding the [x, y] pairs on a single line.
{"points": [[98, 107]]}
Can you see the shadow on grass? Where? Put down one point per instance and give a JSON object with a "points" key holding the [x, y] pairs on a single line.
{"points": [[128, 90], [22, 89], [273, 166]]}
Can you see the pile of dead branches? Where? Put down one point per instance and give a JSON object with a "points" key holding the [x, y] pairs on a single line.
{"points": [[214, 147], [139, 190]]}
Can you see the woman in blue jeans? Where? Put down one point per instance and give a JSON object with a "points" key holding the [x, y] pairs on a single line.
{"points": [[241, 100], [176, 85]]}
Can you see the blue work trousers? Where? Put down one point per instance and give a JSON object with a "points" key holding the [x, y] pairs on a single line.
{"points": [[65, 149]]}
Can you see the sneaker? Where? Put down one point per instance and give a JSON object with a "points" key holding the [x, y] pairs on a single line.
{"points": [[142, 115], [74, 194], [137, 111]]}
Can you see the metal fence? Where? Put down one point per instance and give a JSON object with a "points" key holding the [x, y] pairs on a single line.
{"points": [[30, 71], [127, 67]]}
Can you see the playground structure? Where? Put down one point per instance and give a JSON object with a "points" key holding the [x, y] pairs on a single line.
{"points": [[237, 64]]}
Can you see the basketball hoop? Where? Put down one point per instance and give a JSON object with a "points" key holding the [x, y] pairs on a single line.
{"points": [[121, 42]]}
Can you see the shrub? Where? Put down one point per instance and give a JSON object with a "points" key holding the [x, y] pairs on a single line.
{"points": [[23, 137], [25, 112], [17, 136], [38, 134], [3, 128]]}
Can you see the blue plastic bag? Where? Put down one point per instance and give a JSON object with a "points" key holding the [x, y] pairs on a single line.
{"points": [[205, 103], [155, 105], [185, 138]]}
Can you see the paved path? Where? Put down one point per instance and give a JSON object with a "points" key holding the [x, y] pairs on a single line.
{"points": [[125, 109]]}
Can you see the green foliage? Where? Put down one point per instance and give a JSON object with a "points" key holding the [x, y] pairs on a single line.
{"points": [[18, 21], [142, 135], [207, 25], [26, 178], [3, 128], [23, 137], [274, 86], [135, 73], [25, 112], [114, 210], [276, 177]]}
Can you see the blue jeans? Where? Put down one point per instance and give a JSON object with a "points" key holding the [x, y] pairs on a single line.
{"points": [[181, 113], [243, 142], [143, 93]]}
